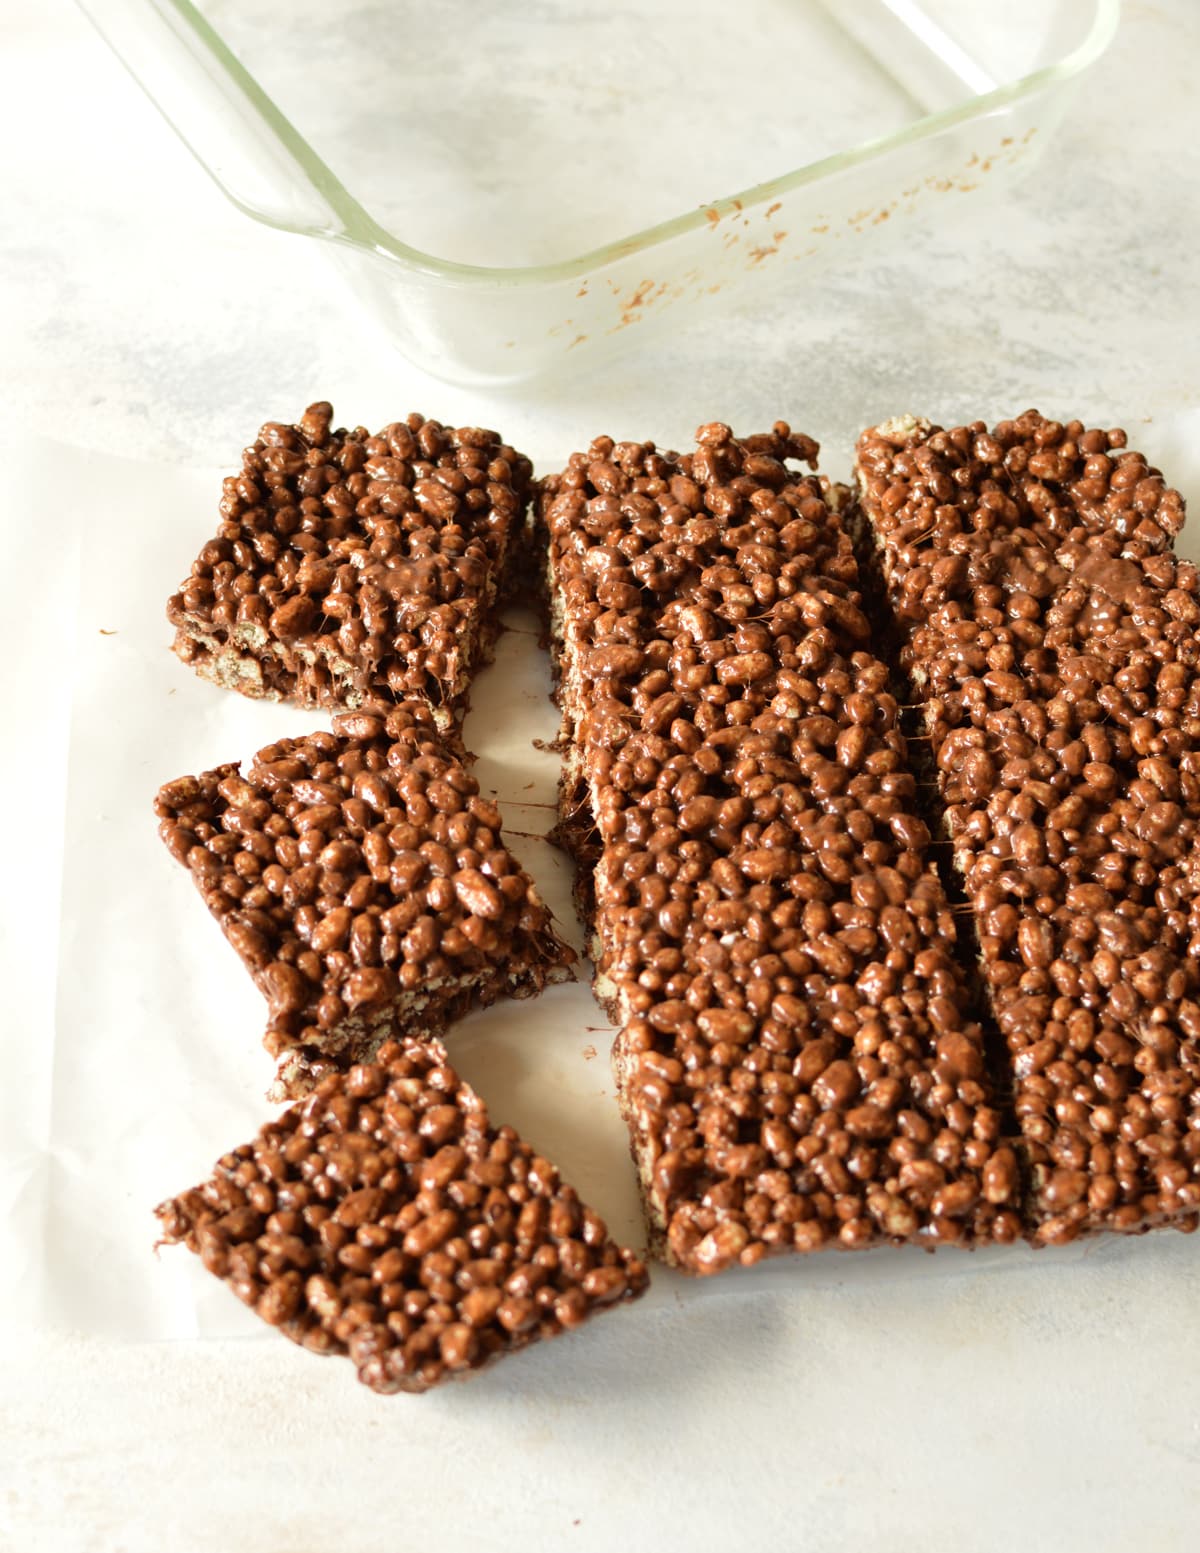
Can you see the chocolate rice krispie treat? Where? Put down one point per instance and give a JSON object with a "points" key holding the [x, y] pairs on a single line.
{"points": [[1052, 640], [387, 1219], [349, 567], [364, 882], [798, 1062]]}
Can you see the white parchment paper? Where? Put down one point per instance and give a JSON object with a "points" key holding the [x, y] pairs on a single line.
{"points": [[130, 1032]]}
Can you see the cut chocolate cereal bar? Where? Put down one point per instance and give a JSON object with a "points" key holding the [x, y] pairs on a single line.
{"points": [[387, 1219], [364, 882], [797, 1062], [350, 567], [1050, 636]]}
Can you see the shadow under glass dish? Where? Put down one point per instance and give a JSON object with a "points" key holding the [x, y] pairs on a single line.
{"points": [[510, 186]]}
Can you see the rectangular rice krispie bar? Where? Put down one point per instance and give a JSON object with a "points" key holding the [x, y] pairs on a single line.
{"points": [[1050, 636], [797, 1062]]}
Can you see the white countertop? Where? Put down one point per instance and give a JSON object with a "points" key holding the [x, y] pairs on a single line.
{"points": [[1050, 1403]]}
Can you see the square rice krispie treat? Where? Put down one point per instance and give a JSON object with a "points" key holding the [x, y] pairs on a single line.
{"points": [[363, 880], [349, 566], [386, 1218]]}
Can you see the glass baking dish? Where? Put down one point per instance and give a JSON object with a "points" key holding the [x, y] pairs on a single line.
{"points": [[514, 185]]}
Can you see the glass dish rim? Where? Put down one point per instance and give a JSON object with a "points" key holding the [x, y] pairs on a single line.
{"points": [[361, 231]]}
